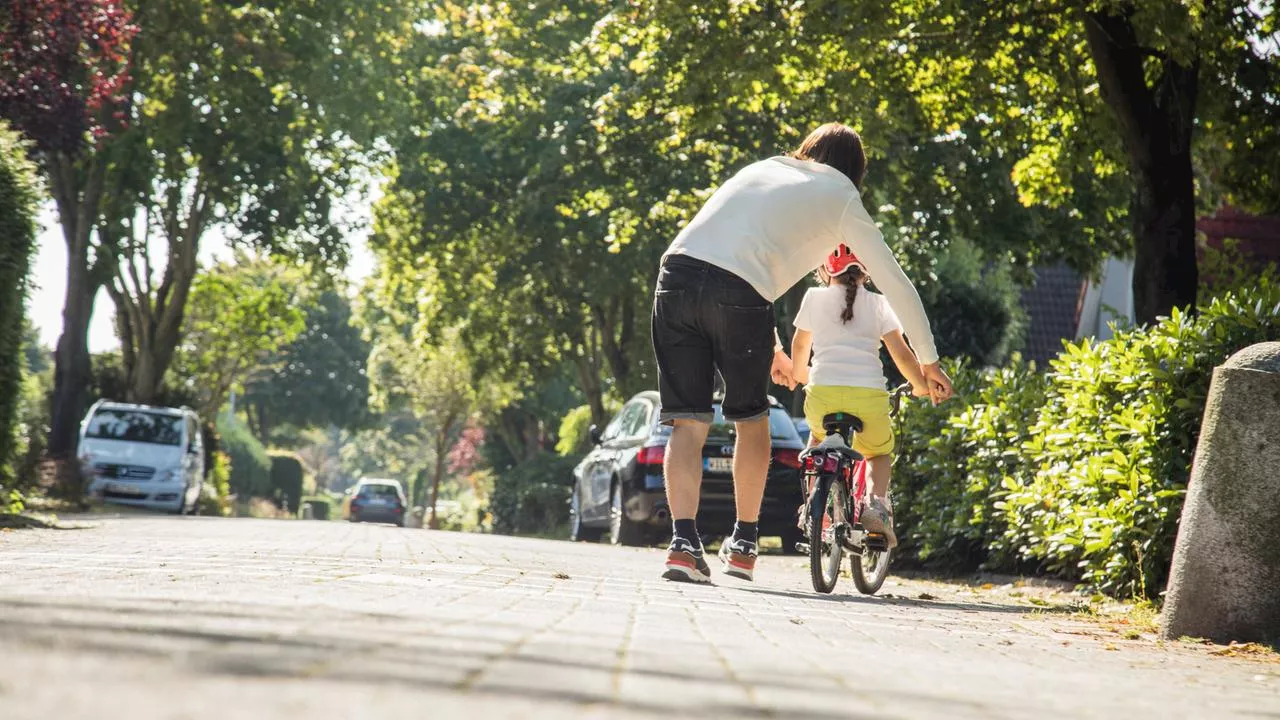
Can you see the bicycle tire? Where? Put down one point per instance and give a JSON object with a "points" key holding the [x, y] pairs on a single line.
{"points": [[824, 557], [869, 579]]}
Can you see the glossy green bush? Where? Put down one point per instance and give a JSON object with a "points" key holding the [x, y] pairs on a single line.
{"points": [[532, 498], [1080, 472], [215, 494], [953, 460], [321, 507], [1110, 454], [286, 480], [250, 464]]}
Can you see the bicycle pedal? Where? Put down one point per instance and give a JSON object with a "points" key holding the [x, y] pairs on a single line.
{"points": [[802, 547]]}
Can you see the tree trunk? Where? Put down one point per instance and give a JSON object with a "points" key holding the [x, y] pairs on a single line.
{"points": [[1156, 125], [442, 442], [77, 194], [434, 523], [150, 318], [617, 326]]}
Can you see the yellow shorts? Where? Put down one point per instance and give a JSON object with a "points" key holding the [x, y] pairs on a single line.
{"points": [[869, 404]]}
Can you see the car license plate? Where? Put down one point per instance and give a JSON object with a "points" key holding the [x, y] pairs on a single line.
{"points": [[718, 465], [123, 489]]}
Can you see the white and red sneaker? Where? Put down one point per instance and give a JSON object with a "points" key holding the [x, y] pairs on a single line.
{"points": [[739, 558], [685, 562]]}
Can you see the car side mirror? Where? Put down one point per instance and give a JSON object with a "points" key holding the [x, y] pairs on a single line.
{"points": [[594, 432]]}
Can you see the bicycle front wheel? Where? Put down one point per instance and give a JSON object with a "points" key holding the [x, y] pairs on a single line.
{"points": [[826, 512]]}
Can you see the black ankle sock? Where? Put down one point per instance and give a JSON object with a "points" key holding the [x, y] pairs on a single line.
{"points": [[748, 531], [687, 529]]}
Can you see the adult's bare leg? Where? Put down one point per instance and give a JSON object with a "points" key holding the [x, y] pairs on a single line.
{"points": [[682, 468], [751, 455]]}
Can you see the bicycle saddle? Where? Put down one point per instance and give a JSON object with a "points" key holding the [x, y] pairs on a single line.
{"points": [[841, 423]]}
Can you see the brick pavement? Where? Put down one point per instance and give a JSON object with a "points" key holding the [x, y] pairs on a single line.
{"points": [[208, 618]]}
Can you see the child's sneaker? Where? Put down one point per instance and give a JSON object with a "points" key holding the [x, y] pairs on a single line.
{"points": [[685, 562], [878, 518], [739, 558]]}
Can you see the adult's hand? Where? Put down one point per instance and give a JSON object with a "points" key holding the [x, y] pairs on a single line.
{"points": [[782, 370], [938, 383]]}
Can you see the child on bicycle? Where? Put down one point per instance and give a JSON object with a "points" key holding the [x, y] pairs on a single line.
{"points": [[843, 324]]}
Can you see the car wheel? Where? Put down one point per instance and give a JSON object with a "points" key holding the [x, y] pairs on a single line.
{"points": [[578, 530], [622, 529]]}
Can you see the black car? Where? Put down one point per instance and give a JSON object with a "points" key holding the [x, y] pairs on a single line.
{"points": [[618, 489]]}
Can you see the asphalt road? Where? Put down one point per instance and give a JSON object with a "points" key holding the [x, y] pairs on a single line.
{"points": [[215, 618]]}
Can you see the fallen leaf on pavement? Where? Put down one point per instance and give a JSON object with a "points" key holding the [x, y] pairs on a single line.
{"points": [[926, 596], [560, 575]]}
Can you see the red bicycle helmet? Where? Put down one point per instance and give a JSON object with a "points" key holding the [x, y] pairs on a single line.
{"points": [[841, 260]]}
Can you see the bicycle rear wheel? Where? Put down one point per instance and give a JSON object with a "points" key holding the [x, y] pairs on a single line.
{"points": [[870, 569], [826, 511]]}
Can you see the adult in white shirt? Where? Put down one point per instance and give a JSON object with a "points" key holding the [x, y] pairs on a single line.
{"points": [[758, 235]]}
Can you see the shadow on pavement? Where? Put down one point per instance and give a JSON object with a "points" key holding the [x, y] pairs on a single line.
{"points": [[413, 658], [899, 601]]}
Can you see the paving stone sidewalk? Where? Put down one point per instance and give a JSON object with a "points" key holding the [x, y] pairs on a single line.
{"points": [[210, 618]]}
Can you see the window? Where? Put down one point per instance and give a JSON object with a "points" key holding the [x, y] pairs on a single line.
{"points": [[136, 426], [635, 420], [386, 492], [614, 427]]}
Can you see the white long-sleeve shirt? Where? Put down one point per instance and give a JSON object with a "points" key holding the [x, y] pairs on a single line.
{"points": [[777, 220]]}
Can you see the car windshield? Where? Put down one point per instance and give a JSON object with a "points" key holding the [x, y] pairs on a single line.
{"points": [[135, 426], [379, 491], [780, 425]]}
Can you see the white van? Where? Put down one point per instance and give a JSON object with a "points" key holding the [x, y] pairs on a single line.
{"points": [[149, 457]]}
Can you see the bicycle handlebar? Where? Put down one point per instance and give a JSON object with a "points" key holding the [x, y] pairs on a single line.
{"points": [[895, 397]]}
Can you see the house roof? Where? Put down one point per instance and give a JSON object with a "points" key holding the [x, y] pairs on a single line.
{"points": [[1052, 303]]}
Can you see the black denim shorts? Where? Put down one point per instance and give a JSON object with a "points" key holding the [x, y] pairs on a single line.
{"points": [[705, 320]]}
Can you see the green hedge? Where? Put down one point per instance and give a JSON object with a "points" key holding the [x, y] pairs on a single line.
{"points": [[286, 479], [1080, 472], [532, 498], [250, 465], [321, 507], [18, 198], [215, 493]]}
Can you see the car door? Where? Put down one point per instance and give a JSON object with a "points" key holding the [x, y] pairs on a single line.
{"points": [[613, 453], [637, 426], [595, 502]]}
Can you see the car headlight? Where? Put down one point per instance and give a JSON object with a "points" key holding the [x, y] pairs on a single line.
{"points": [[170, 475]]}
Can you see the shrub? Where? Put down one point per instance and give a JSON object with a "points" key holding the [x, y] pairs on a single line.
{"points": [[1110, 453], [533, 497], [952, 460], [286, 480], [321, 507], [1081, 471], [250, 465], [18, 198], [573, 436], [215, 495]]}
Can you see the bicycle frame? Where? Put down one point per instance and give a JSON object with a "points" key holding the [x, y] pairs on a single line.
{"points": [[831, 460]]}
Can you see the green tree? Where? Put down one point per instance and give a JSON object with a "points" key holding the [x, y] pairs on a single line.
{"points": [[241, 314], [62, 70], [247, 118], [437, 385], [1010, 124], [18, 198], [317, 380]]}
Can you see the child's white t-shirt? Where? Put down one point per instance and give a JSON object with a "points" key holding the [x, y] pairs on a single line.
{"points": [[846, 354]]}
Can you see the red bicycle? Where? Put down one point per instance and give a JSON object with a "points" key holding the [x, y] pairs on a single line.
{"points": [[836, 485]]}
